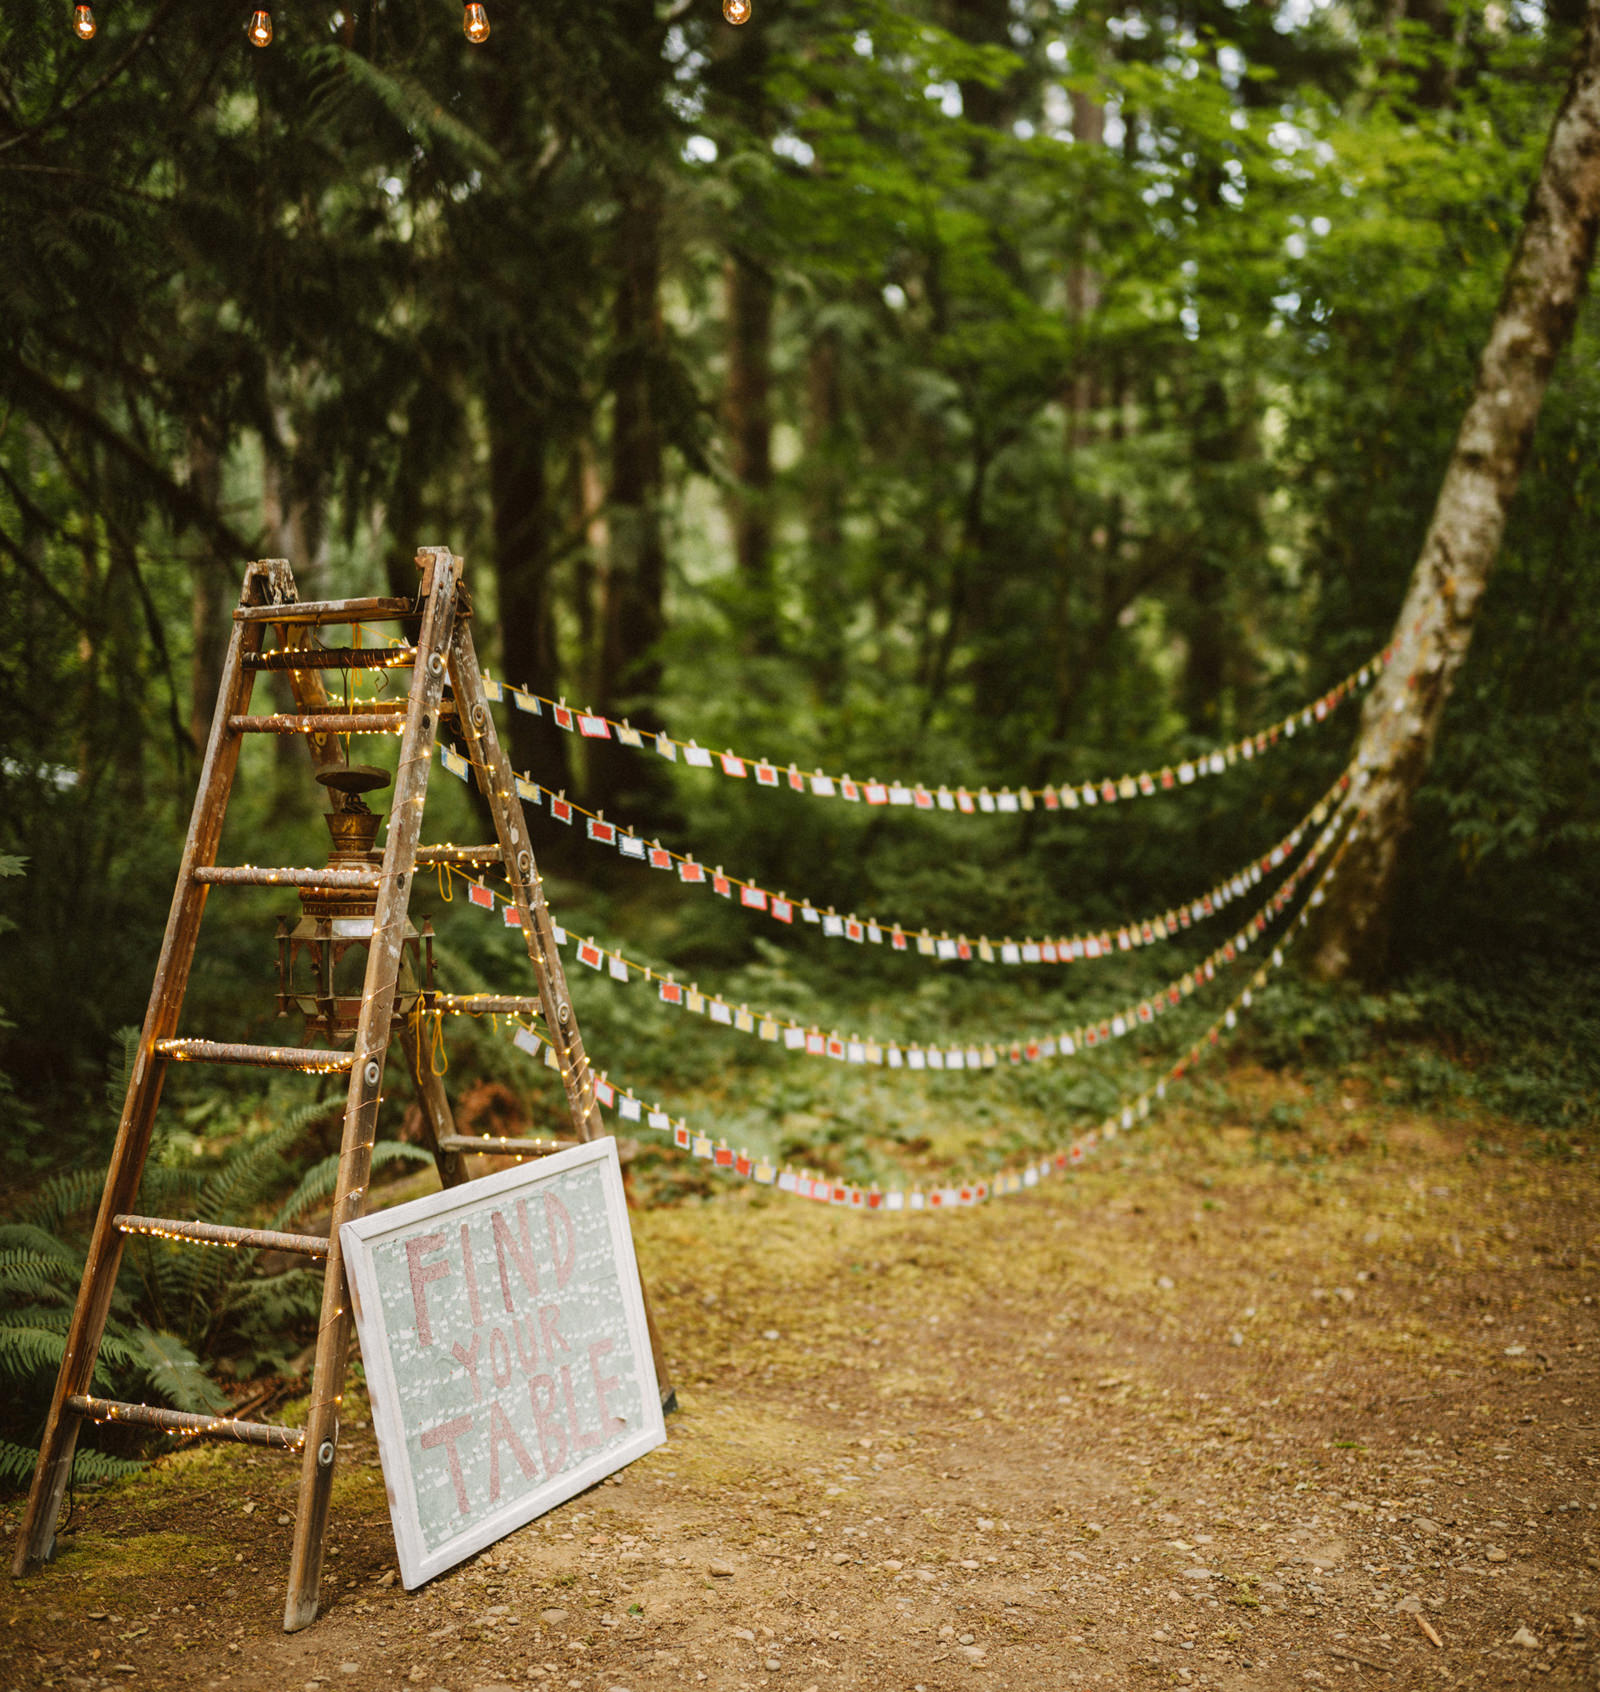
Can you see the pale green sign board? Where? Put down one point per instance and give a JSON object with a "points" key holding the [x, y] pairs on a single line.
{"points": [[506, 1349]]}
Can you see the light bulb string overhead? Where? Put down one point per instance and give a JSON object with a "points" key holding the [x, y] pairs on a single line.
{"points": [[474, 21]]}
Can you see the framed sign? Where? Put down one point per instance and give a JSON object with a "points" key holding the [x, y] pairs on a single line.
{"points": [[506, 1350]]}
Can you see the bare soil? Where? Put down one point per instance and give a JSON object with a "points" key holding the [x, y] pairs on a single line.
{"points": [[1226, 1409]]}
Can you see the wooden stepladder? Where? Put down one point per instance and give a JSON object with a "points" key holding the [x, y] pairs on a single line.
{"points": [[437, 629]]}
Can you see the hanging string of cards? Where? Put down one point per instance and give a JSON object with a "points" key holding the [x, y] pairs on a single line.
{"points": [[943, 796], [945, 947], [917, 1055], [953, 1192]]}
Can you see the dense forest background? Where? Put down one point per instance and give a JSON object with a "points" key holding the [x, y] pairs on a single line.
{"points": [[983, 391]]}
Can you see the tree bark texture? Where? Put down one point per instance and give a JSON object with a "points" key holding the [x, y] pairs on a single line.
{"points": [[519, 498], [748, 410], [632, 617], [1538, 306]]}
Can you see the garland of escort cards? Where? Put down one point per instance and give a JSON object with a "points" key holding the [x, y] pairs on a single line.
{"points": [[949, 1193], [945, 947], [942, 796], [914, 1055]]}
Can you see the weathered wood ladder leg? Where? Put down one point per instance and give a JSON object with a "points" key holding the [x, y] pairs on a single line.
{"points": [[440, 588], [498, 784], [36, 1540]]}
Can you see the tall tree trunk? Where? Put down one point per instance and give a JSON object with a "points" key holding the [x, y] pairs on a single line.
{"points": [[210, 601], [518, 497], [824, 479], [1534, 320], [632, 617], [748, 411]]}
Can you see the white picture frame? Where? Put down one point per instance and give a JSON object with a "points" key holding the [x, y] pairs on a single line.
{"points": [[506, 1348]]}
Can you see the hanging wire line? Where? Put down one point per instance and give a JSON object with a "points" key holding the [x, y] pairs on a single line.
{"points": [[901, 937], [943, 796], [918, 1055], [950, 1190]]}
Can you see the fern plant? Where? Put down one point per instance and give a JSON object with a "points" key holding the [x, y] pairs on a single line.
{"points": [[174, 1305]]}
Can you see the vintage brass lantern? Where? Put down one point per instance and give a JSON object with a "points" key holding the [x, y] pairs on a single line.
{"points": [[336, 922]]}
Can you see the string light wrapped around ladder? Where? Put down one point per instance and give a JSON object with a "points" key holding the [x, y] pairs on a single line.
{"points": [[474, 21]]}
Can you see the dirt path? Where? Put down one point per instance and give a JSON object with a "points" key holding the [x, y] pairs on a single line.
{"points": [[1215, 1412]]}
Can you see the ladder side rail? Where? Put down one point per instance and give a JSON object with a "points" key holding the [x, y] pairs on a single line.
{"points": [[366, 1078], [36, 1537], [498, 784]]}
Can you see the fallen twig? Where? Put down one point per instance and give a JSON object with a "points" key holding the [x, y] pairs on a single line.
{"points": [[1356, 1657], [1427, 1628]]}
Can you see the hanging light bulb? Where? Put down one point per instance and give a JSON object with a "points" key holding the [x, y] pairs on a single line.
{"points": [[259, 30], [475, 23], [736, 11], [83, 24]]}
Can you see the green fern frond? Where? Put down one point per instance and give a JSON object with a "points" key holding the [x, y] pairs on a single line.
{"points": [[17, 1463], [35, 1274], [126, 1044], [321, 1178], [177, 1375], [23, 1236], [256, 1169], [64, 1198]]}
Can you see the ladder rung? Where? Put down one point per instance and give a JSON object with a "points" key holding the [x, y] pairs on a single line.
{"points": [[386, 721], [430, 856], [334, 658], [181, 1421], [249, 875], [313, 1059], [208, 1233], [328, 611], [485, 1004], [497, 1147]]}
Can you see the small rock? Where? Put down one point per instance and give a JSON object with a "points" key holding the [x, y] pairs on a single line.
{"points": [[284, 1520], [720, 1569], [250, 1508], [349, 1668], [552, 1616], [969, 1563], [1197, 1574], [926, 1575], [1526, 1638], [743, 1633], [1423, 1525], [973, 1653], [985, 1524], [966, 1639], [386, 1578], [841, 1556], [893, 1564], [1165, 1282], [773, 1665], [771, 1334], [1495, 1555]]}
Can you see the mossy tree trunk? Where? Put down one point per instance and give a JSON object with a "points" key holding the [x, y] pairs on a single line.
{"points": [[1538, 306]]}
